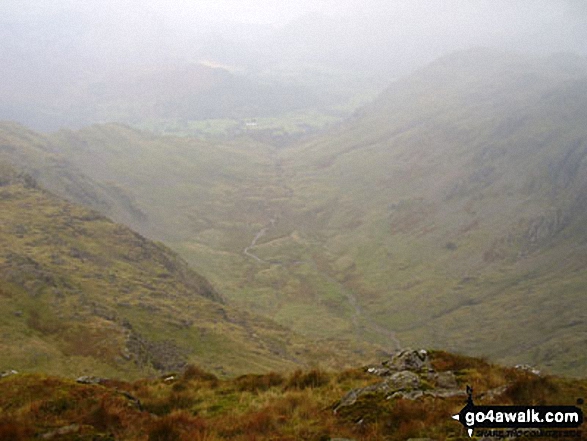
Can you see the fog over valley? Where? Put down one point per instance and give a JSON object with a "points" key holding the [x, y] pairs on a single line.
{"points": [[318, 220], [73, 59]]}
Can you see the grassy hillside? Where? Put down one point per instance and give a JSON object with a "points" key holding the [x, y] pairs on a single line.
{"points": [[81, 294], [213, 202], [308, 405], [208, 202], [449, 213], [454, 206]]}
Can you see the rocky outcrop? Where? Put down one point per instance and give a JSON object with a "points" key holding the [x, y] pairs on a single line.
{"points": [[62, 431], [164, 356], [408, 374], [86, 379], [8, 373], [527, 368], [409, 360]]}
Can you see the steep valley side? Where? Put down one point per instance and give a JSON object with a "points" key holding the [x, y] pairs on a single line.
{"points": [[452, 209]]}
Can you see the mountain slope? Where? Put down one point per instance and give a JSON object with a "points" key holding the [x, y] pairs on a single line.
{"points": [[218, 205], [458, 199], [31, 152], [81, 294], [450, 212]]}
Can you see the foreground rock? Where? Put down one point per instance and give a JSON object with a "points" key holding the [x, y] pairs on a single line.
{"points": [[409, 360], [90, 380], [407, 374], [8, 373]]}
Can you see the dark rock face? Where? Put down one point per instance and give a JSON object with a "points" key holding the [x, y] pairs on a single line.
{"points": [[164, 356]]}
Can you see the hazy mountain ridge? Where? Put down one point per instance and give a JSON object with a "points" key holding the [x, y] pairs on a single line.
{"points": [[452, 205], [190, 92], [33, 153], [151, 95]]}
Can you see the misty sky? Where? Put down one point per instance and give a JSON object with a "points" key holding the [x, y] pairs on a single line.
{"points": [[56, 47], [449, 13], [463, 19], [366, 32], [256, 11]]}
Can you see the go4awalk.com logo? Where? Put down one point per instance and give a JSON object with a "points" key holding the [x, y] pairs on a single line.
{"points": [[545, 419]]}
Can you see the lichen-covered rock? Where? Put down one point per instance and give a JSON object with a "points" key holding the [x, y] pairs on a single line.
{"points": [[527, 368], [408, 374], [58, 433], [445, 380], [86, 379], [400, 384], [409, 360], [8, 373], [379, 371], [351, 397], [408, 395], [446, 393], [404, 380]]}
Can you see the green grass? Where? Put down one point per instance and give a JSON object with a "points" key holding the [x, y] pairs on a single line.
{"points": [[450, 209], [82, 294]]}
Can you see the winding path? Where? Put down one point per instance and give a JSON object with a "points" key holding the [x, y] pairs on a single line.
{"points": [[253, 243], [358, 315], [258, 236]]}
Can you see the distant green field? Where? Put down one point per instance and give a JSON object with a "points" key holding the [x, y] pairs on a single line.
{"points": [[286, 127]]}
